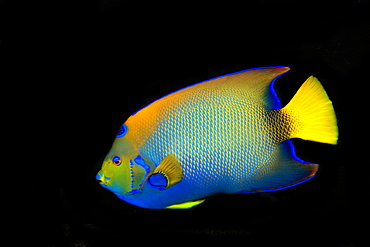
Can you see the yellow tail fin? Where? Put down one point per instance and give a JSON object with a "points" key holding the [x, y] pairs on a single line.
{"points": [[312, 114]]}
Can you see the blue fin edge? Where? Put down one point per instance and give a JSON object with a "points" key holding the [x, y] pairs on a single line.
{"points": [[277, 104], [294, 155], [283, 188], [276, 101]]}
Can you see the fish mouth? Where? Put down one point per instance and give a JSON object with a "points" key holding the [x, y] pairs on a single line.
{"points": [[102, 180]]}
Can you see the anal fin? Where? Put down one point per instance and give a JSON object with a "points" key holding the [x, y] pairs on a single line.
{"points": [[289, 171], [186, 205]]}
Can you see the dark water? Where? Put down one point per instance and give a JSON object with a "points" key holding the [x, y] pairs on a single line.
{"points": [[80, 68]]}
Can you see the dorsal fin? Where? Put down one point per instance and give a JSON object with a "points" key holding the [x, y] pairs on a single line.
{"points": [[258, 81]]}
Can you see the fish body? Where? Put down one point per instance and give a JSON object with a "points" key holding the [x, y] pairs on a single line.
{"points": [[225, 135]]}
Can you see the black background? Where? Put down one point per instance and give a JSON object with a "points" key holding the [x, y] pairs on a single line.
{"points": [[73, 71]]}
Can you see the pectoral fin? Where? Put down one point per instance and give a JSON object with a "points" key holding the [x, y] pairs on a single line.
{"points": [[167, 173]]}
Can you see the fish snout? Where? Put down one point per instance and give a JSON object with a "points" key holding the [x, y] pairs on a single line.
{"points": [[98, 176], [103, 180]]}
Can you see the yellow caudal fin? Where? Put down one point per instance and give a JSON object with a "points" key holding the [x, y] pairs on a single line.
{"points": [[311, 114]]}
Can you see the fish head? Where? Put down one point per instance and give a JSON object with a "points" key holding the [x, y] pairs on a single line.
{"points": [[124, 170], [129, 171]]}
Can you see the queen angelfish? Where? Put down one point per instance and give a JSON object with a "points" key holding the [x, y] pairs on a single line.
{"points": [[224, 135]]}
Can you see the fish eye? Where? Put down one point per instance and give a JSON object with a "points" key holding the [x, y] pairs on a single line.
{"points": [[116, 160], [122, 131]]}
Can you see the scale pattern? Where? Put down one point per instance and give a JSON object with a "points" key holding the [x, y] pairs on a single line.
{"points": [[222, 139]]}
